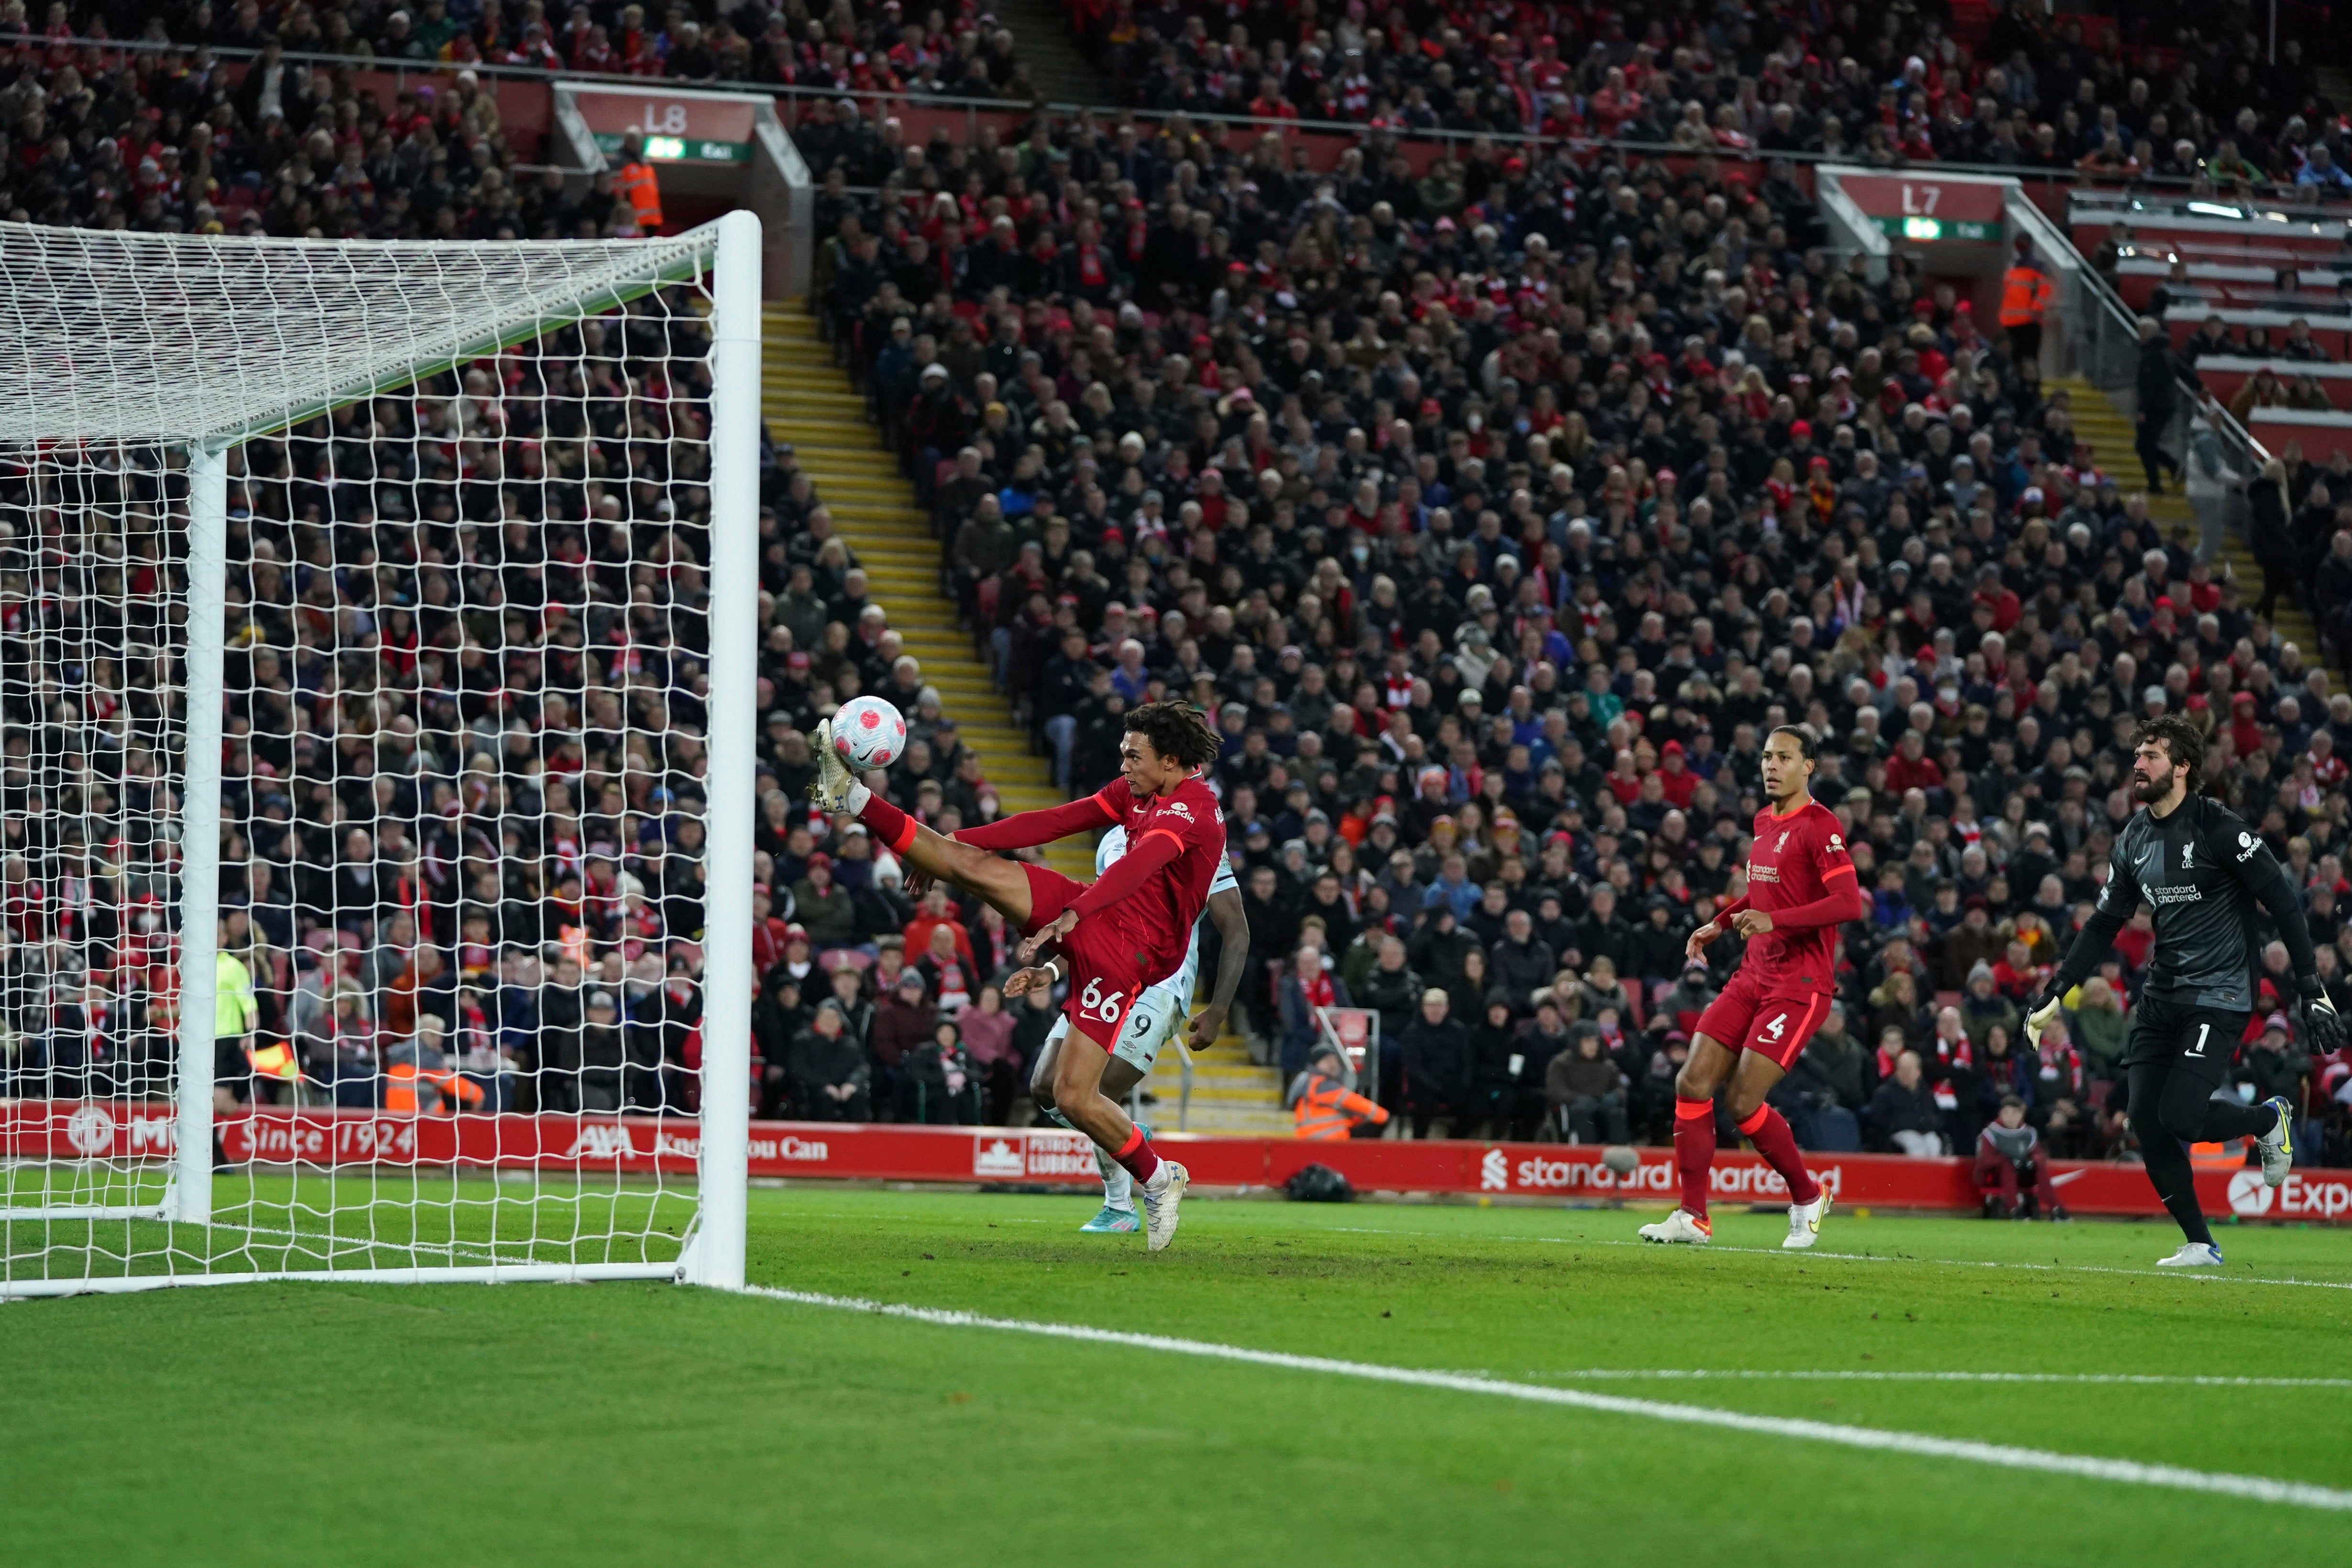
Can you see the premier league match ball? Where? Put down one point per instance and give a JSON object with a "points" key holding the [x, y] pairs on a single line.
{"points": [[869, 732]]}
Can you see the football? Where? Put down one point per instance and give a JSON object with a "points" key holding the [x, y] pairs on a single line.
{"points": [[1621, 1160], [869, 732]]}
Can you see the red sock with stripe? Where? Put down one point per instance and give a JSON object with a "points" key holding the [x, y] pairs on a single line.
{"points": [[892, 826], [1135, 1156], [1694, 1150], [1768, 1130]]}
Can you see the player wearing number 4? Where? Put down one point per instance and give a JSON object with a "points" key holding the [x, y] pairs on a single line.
{"points": [[2203, 869], [1115, 937], [1800, 887], [1156, 1020]]}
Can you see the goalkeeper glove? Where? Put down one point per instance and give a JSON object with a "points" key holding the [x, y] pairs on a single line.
{"points": [[2323, 1026], [2041, 1015]]}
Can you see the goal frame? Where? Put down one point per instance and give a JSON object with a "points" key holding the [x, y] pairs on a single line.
{"points": [[713, 1251]]}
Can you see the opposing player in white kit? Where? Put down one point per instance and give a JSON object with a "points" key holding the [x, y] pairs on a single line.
{"points": [[1158, 1014]]}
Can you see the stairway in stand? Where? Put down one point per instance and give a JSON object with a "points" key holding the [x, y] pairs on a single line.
{"points": [[1231, 1094], [1056, 70], [808, 402], [2098, 420]]}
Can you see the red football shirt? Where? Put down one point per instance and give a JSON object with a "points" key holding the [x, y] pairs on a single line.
{"points": [[1160, 916], [1795, 860]]}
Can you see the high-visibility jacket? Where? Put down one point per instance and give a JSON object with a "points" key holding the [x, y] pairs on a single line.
{"points": [[636, 186], [403, 1079], [235, 1009], [1329, 1111], [2024, 295], [2224, 1156]]}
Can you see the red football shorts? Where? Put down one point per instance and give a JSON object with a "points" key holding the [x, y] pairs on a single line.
{"points": [[1106, 967], [1755, 1015]]}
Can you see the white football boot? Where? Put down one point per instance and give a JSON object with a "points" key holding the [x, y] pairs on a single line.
{"points": [[1161, 1199], [2193, 1255], [834, 780], [1805, 1223], [2277, 1145], [1680, 1227]]}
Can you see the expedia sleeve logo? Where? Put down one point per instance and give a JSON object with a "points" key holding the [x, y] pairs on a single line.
{"points": [[2247, 845]]}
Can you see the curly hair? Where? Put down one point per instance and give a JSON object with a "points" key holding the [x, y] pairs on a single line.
{"points": [[2181, 741], [1175, 729]]}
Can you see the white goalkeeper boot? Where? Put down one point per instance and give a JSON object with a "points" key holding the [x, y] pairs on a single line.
{"points": [[2193, 1255], [2277, 1145]]}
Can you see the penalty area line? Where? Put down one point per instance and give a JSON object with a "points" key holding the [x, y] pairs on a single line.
{"points": [[2130, 1472], [1795, 1375], [2200, 1276]]}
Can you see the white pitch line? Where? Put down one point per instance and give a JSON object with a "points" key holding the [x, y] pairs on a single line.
{"points": [[2203, 1276], [1745, 1374], [2196, 1274], [2260, 1489]]}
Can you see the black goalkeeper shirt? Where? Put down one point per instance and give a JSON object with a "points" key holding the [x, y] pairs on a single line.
{"points": [[2202, 870]]}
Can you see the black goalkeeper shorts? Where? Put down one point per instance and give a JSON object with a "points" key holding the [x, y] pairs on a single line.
{"points": [[2200, 1041]]}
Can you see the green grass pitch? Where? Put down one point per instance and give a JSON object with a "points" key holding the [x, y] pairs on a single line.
{"points": [[324, 1424]]}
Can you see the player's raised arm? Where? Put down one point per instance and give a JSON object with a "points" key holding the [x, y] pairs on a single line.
{"points": [[2250, 860], [1026, 829], [1233, 957]]}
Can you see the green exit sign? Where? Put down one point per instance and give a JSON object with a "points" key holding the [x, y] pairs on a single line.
{"points": [[679, 149], [1922, 230]]}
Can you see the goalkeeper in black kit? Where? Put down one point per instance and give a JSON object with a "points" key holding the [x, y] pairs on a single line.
{"points": [[2201, 868]]}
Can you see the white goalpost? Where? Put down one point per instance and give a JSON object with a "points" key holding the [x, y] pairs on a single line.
{"points": [[378, 640]]}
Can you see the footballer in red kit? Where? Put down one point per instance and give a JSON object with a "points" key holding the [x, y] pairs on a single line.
{"points": [[1800, 887], [1115, 936], [1146, 919]]}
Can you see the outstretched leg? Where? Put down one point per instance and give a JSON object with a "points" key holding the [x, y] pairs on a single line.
{"points": [[1004, 883]]}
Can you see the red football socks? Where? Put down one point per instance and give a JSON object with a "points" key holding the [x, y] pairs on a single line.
{"points": [[892, 826], [1135, 1156], [1694, 1150], [1768, 1130]]}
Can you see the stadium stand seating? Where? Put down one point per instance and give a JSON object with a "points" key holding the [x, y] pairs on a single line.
{"points": [[1495, 502], [1473, 491], [2004, 85]]}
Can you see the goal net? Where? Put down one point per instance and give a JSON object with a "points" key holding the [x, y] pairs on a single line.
{"points": [[376, 664]]}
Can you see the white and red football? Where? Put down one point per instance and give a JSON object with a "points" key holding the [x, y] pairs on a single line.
{"points": [[869, 732]]}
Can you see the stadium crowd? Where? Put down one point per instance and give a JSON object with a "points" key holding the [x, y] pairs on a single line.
{"points": [[873, 46], [1493, 512], [1495, 516], [2028, 89]]}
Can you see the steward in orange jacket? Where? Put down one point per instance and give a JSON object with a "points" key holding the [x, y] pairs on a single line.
{"points": [[1329, 1111], [2025, 294], [635, 185]]}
